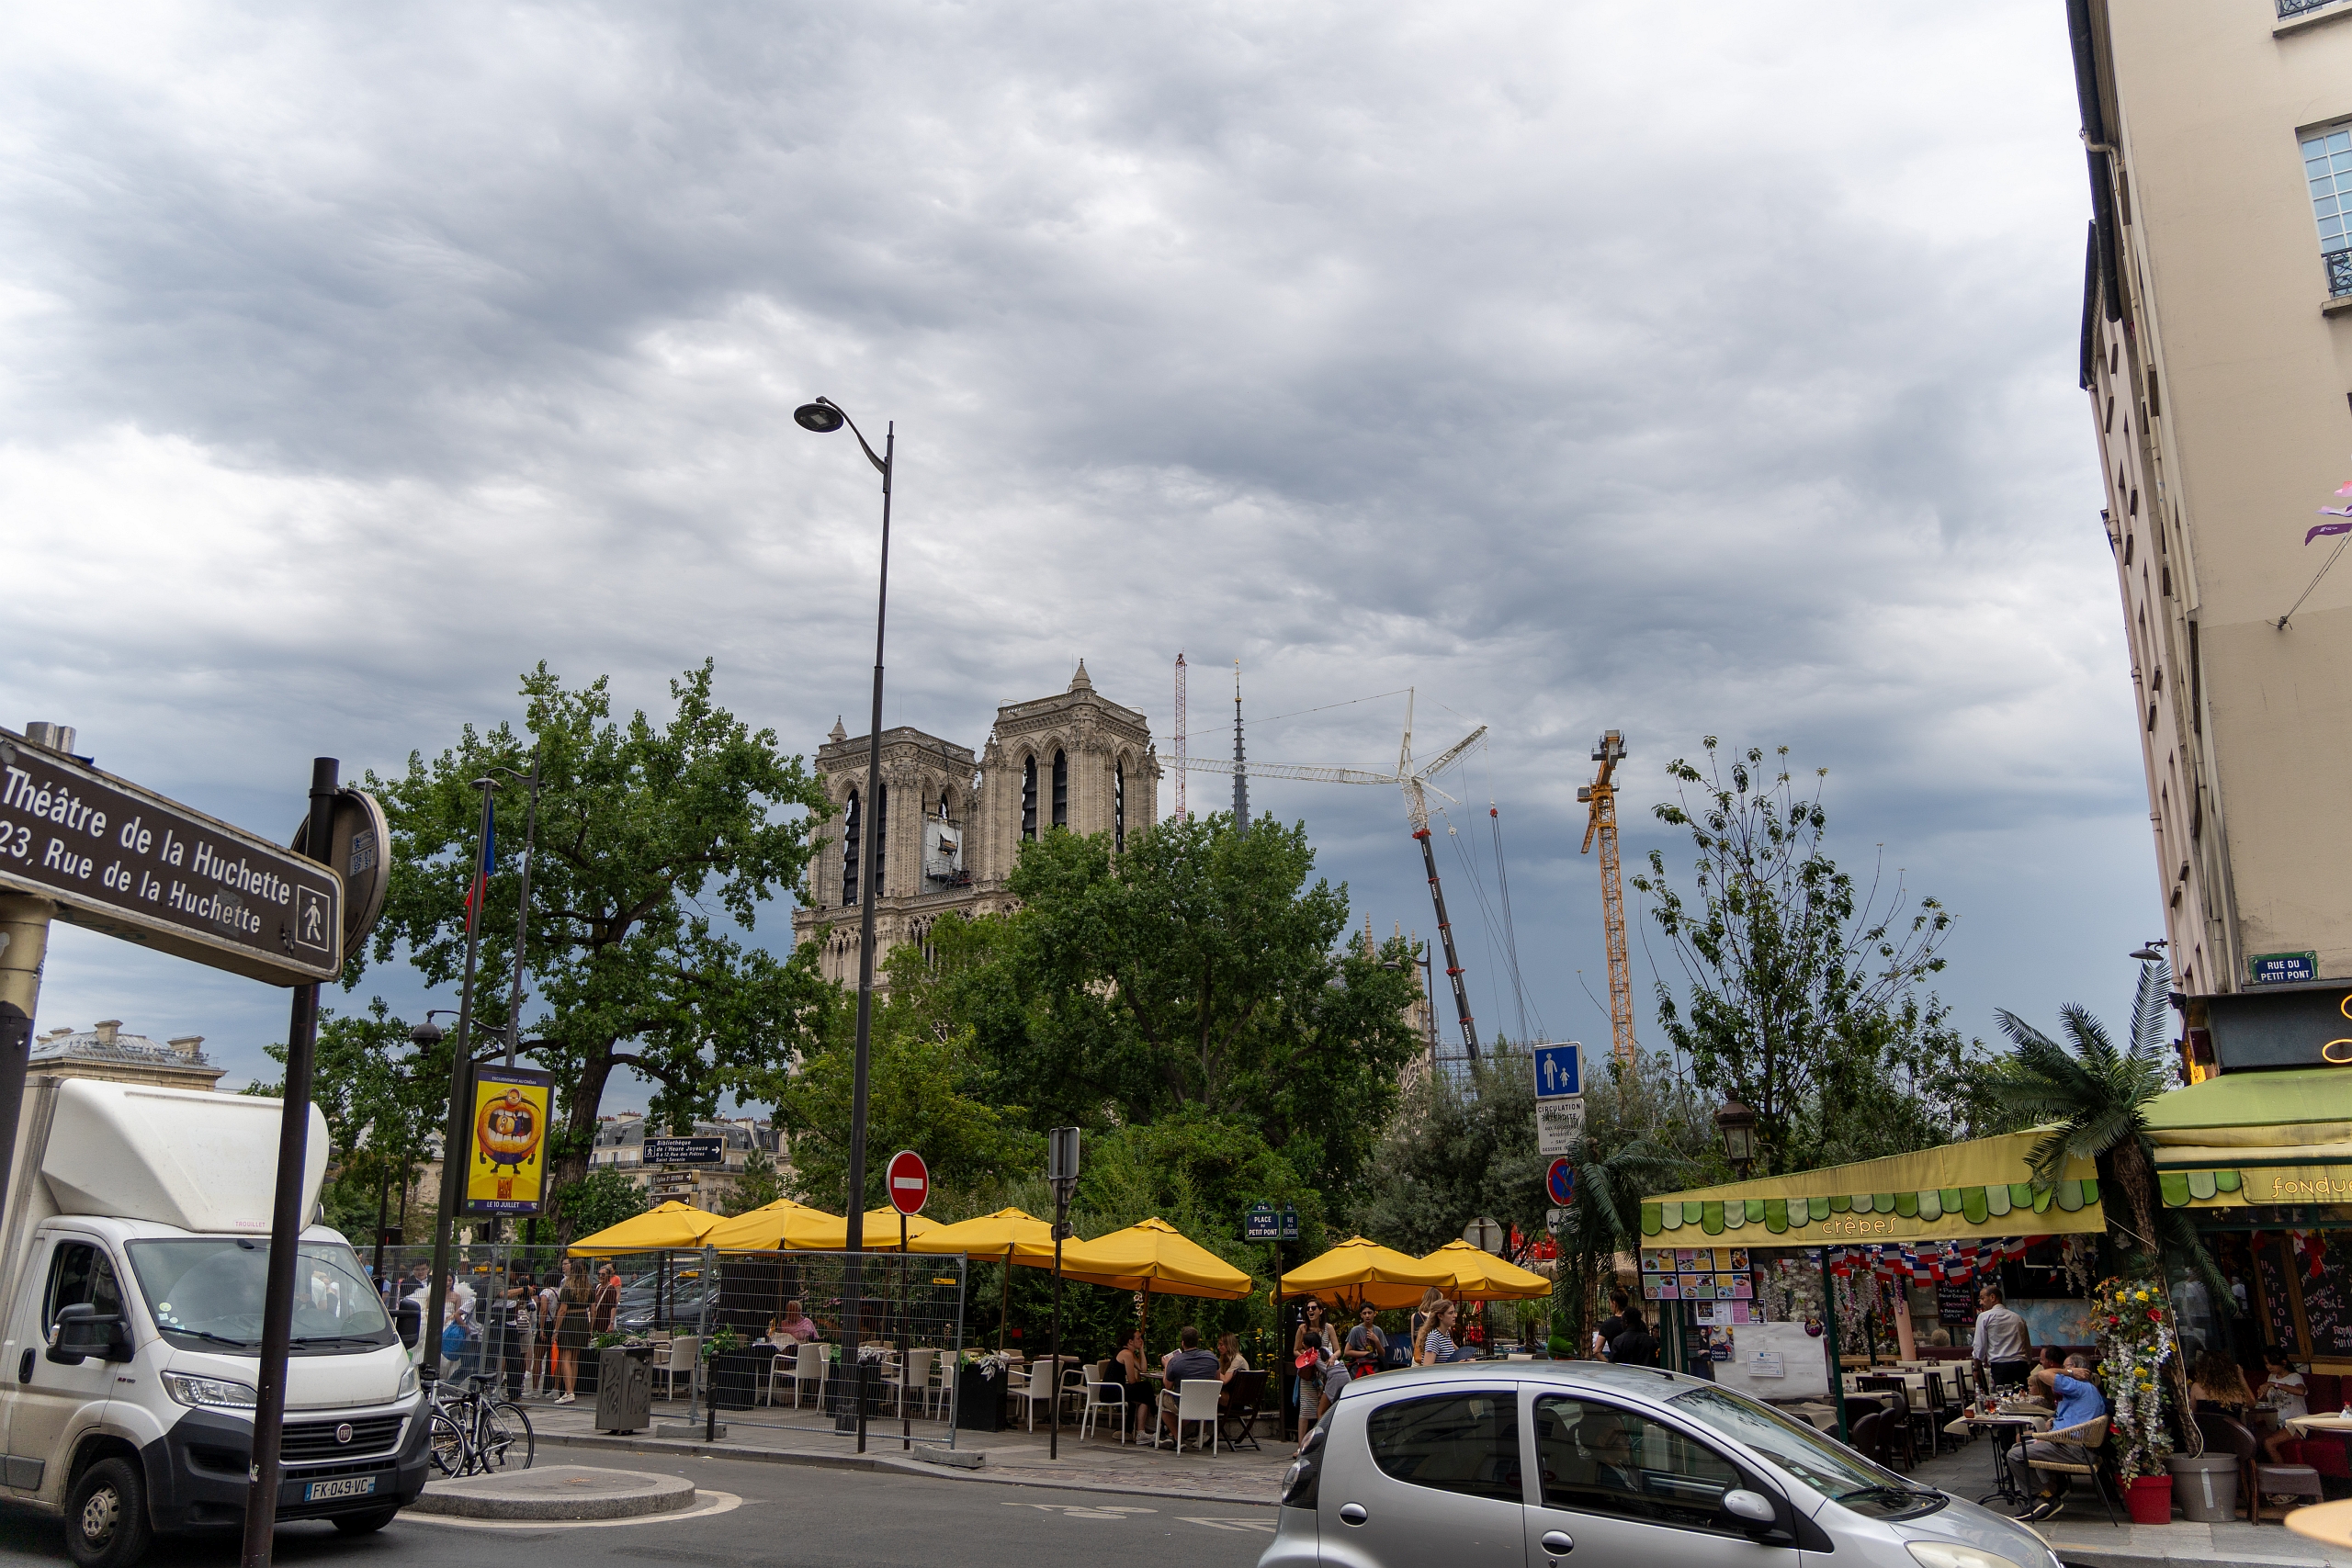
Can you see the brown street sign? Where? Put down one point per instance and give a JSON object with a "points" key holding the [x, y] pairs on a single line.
{"points": [[123, 860]]}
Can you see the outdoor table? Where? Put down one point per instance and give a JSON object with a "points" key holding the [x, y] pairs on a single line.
{"points": [[2309, 1426], [2005, 1430]]}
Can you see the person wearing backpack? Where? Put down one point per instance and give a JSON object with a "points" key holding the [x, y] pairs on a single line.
{"points": [[1367, 1348]]}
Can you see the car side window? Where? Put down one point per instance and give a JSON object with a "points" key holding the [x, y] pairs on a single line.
{"points": [[1602, 1459], [1455, 1442], [79, 1273]]}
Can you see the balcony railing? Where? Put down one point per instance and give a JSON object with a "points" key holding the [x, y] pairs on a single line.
{"points": [[2287, 9], [2339, 272]]}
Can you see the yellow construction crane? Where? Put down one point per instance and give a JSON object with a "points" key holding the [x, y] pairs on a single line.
{"points": [[1601, 797]]}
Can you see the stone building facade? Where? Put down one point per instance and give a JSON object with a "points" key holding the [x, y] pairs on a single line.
{"points": [[952, 823]]}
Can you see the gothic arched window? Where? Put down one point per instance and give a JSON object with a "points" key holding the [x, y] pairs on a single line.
{"points": [[1029, 797], [1061, 790], [882, 833], [1119, 806], [850, 829]]}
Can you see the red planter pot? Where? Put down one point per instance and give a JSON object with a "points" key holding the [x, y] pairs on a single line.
{"points": [[2149, 1499]]}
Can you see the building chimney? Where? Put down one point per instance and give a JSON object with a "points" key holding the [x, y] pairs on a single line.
{"points": [[189, 1045], [60, 1032], [52, 737], [108, 1028]]}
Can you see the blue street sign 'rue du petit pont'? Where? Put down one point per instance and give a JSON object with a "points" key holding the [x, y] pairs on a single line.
{"points": [[1556, 1072]]}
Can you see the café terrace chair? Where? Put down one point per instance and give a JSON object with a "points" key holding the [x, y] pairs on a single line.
{"points": [[1197, 1404], [1107, 1399], [2091, 1438]]}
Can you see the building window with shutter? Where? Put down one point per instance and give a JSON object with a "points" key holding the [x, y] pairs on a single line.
{"points": [[1029, 797], [1061, 790]]}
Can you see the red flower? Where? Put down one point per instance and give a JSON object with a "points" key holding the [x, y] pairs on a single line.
{"points": [[2155, 1317]]}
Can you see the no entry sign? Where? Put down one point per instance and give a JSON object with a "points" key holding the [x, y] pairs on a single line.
{"points": [[125, 861], [908, 1180]]}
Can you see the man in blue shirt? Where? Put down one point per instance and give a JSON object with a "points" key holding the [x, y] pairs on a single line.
{"points": [[2079, 1401]]}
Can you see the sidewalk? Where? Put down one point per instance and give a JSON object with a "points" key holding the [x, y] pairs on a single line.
{"points": [[1013, 1457], [2083, 1539]]}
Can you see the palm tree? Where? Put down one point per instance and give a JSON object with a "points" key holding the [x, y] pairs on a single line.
{"points": [[2096, 1097], [1606, 1219]]}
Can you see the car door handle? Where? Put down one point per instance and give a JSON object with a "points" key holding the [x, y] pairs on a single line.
{"points": [[24, 1368], [1351, 1513], [1559, 1543]]}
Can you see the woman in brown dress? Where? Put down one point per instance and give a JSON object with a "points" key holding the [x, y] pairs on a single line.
{"points": [[572, 1304]]}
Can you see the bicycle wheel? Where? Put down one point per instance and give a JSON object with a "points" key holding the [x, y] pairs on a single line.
{"points": [[447, 1445], [507, 1442]]}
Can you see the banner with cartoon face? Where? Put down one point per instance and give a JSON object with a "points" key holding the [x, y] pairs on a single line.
{"points": [[507, 1170]]}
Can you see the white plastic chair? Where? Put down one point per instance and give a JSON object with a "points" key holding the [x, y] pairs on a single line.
{"points": [[1107, 1398], [1195, 1402], [809, 1371], [683, 1352], [916, 1385], [779, 1370]]}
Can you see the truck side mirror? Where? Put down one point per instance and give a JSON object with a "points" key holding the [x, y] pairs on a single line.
{"points": [[80, 1333], [405, 1322]]}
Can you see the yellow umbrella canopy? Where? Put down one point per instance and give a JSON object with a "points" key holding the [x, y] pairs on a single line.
{"points": [[1154, 1257], [1475, 1275], [786, 1227], [1360, 1269], [672, 1226], [1023, 1235]]}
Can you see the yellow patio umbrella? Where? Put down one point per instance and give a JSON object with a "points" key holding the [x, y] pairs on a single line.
{"points": [[1010, 1236], [672, 1227], [1154, 1257], [1475, 1275], [786, 1227], [1360, 1269]]}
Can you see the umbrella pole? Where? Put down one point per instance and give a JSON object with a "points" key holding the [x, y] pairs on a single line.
{"points": [[1004, 1304]]}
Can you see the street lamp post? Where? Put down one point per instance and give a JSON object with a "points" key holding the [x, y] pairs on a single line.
{"points": [[1738, 1124], [825, 416]]}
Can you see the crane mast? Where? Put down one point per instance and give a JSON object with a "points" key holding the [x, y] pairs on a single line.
{"points": [[1416, 810], [1602, 825], [1182, 815]]}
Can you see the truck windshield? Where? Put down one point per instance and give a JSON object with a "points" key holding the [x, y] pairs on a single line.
{"points": [[206, 1294]]}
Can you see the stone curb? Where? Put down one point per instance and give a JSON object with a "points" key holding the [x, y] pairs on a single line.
{"points": [[567, 1493], [894, 1465]]}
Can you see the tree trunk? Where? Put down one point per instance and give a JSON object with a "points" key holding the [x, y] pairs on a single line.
{"points": [[579, 1135]]}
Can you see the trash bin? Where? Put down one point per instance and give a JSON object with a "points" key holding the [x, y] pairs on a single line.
{"points": [[2206, 1486], [979, 1396], [625, 1388]]}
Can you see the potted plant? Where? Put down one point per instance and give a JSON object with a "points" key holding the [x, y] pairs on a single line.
{"points": [[733, 1372], [2136, 1337]]}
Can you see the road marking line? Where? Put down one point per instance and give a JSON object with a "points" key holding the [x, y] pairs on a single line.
{"points": [[1266, 1526]]}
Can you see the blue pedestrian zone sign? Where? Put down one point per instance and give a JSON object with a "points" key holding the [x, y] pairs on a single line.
{"points": [[1557, 1071]]}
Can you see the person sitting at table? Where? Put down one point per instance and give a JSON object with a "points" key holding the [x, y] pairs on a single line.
{"points": [[1125, 1370], [1229, 1361], [2217, 1386], [1187, 1361], [2282, 1394], [793, 1328], [2077, 1400]]}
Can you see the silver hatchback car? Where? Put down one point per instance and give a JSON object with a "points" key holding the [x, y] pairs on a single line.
{"points": [[1581, 1464]]}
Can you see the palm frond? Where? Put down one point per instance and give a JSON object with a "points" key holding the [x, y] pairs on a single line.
{"points": [[2152, 1010]]}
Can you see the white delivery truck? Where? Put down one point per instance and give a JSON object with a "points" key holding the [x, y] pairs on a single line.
{"points": [[135, 1252]]}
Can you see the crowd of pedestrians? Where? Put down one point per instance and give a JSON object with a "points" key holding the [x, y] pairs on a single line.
{"points": [[535, 1327]]}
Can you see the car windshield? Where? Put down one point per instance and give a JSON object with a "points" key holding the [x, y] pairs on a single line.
{"points": [[1827, 1466], [207, 1293]]}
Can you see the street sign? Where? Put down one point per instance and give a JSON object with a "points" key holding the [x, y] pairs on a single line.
{"points": [[359, 846], [2282, 968], [1290, 1223], [1557, 1219], [1558, 1071], [1558, 1124], [122, 860], [1560, 1182], [908, 1180], [1262, 1224], [1485, 1235], [685, 1151]]}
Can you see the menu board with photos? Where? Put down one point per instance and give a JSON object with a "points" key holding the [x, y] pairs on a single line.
{"points": [[1696, 1274]]}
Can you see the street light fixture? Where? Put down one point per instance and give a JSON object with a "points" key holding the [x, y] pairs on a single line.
{"points": [[825, 416], [2149, 951], [1738, 1124]]}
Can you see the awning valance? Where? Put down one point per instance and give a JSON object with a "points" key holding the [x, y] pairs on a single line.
{"points": [[1981, 1188]]}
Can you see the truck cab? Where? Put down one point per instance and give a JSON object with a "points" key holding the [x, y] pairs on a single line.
{"points": [[134, 1255]]}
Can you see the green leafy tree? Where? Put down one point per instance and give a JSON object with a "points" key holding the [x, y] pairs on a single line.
{"points": [[760, 1184], [1460, 1147], [1801, 992], [1198, 970], [601, 1199], [1644, 1134], [653, 839], [384, 1102]]}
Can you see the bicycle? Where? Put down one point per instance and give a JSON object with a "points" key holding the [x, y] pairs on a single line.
{"points": [[474, 1433]]}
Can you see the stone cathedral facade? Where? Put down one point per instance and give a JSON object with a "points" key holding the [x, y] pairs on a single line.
{"points": [[952, 824]]}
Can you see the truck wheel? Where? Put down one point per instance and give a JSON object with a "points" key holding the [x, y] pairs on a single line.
{"points": [[364, 1524], [106, 1515]]}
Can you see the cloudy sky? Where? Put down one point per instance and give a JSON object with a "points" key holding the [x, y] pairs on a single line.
{"points": [[1697, 370]]}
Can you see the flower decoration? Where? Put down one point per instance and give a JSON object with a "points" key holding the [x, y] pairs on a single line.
{"points": [[2137, 1338]]}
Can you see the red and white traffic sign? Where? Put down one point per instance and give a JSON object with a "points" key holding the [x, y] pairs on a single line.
{"points": [[908, 1180]]}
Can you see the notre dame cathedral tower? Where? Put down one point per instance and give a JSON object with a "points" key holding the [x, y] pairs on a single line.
{"points": [[950, 826]]}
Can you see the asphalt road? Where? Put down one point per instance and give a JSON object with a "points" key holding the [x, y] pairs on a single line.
{"points": [[791, 1515]]}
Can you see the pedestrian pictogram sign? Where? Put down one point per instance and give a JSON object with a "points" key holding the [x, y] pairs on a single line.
{"points": [[908, 1180]]}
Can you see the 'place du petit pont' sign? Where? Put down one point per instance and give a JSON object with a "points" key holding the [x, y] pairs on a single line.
{"points": [[123, 860]]}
